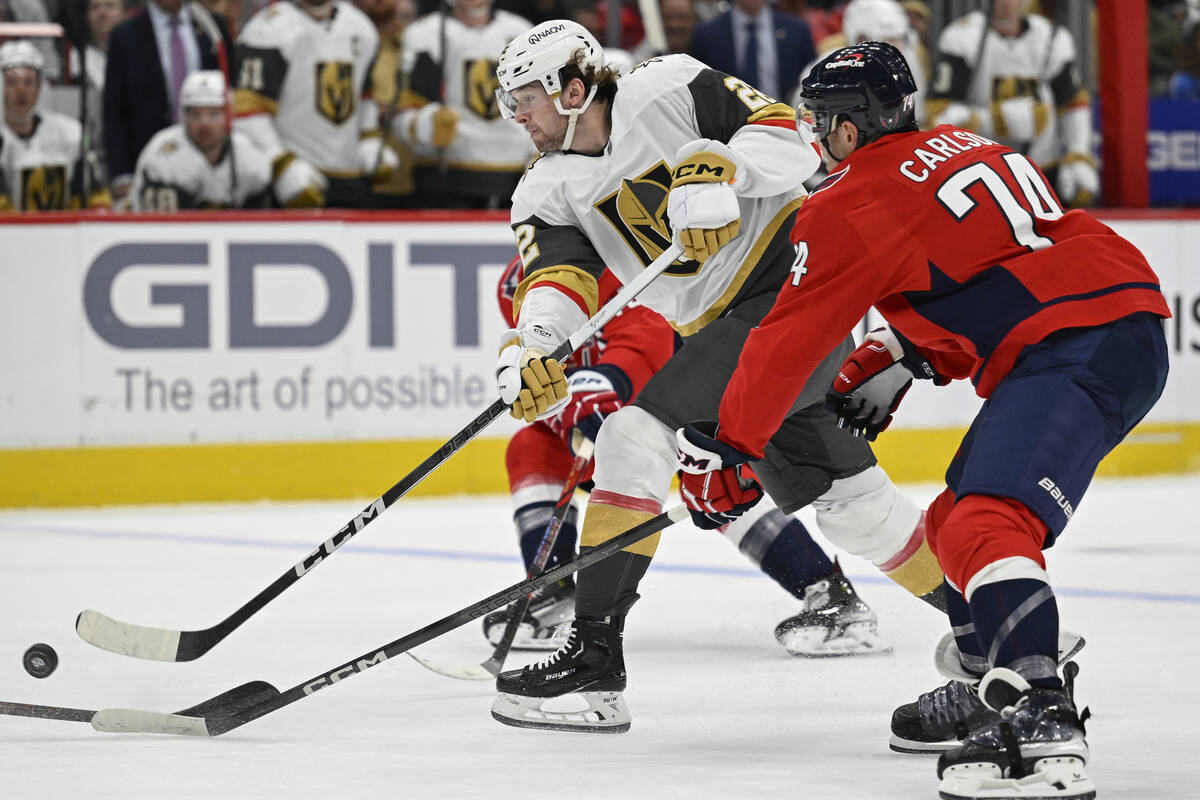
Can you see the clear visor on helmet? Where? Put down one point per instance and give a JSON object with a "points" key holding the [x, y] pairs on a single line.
{"points": [[818, 119], [522, 100]]}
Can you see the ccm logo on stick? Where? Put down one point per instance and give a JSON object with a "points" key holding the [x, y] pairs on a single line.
{"points": [[345, 672], [338, 539]]}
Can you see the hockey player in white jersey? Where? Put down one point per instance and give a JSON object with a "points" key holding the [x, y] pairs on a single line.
{"points": [[304, 96], [41, 167], [199, 163], [1012, 77], [467, 155], [672, 150]]}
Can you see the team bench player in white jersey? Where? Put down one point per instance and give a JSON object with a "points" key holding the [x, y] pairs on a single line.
{"points": [[672, 147], [41, 166], [200, 163]]}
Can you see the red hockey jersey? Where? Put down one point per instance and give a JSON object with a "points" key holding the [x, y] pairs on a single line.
{"points": [[637, 341], [960, 244]]}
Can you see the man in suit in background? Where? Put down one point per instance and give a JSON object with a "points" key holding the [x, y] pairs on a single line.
{"points": [[149, 55], [764, 47]]}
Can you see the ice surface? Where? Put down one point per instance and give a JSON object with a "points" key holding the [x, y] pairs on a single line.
{"points": [[719, 709]]}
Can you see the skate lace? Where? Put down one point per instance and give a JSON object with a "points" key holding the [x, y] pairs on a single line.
{"points": [[816, 596], [950, 704], [557, 655]]}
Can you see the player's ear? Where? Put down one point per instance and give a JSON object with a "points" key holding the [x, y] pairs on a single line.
{"points": [[575, 93], [853, 135]]}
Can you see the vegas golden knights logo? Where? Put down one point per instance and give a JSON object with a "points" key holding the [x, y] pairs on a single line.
{"points": [[638, 211], [44, 188], [479, 87], [335, 90]]}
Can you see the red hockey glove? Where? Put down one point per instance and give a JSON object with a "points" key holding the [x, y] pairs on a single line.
{"points": [[870, 385], [713, 487], [592, 398]]}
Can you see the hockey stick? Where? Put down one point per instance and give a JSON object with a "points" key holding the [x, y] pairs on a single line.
{"points": [[492, 666], [117, 720], [236, 699], [164, 644]]}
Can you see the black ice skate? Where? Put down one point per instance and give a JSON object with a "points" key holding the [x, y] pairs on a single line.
{"points": [[1035, 748], [833, 622], [543, 626], [589, 667], [938, 719]]}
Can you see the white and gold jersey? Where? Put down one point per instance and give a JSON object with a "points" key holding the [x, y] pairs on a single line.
{"points": [[1038, 64], [574, 215], [172, 174], [312, 78], [483, 140], [41, 172]]}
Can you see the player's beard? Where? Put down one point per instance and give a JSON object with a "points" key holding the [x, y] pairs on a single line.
{"points": [[549, 141]]}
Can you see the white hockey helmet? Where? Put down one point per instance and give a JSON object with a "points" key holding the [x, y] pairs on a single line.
{"points": [[20, 53], [539, 55], [204, 87], [875, 21]]}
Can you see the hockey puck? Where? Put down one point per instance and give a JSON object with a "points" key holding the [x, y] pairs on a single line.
{"points": [[40, 660]]}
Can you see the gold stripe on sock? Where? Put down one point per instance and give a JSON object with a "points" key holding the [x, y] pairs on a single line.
{"points": [[921, 574], [603, 522]]}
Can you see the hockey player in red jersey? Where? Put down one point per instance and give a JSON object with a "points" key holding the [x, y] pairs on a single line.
{"points": [[965, 249], [610, 369]]}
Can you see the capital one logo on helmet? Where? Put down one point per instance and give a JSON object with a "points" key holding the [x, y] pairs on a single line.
{"points": [[851, 60], [534, 38]]}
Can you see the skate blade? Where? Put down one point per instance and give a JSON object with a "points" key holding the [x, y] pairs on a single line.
{"points": [[606, 713], [1060, 778], [811, 643], [901, 745]]}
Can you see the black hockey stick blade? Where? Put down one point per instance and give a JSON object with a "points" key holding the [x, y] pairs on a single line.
{"points": [[165, 644], [232, 701], [119, 720], [228, 702]]}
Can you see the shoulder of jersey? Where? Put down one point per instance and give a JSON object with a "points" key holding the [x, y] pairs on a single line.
{"points": [[166, 142], [649, 80], [356, 17], [541, 184], [961, 37], [1038, 24], [424, 28], [274, 26], [511, 21], [61, 126]]}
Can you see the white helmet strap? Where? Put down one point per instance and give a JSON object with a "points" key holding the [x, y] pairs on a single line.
{"points": [[572, 115]]}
